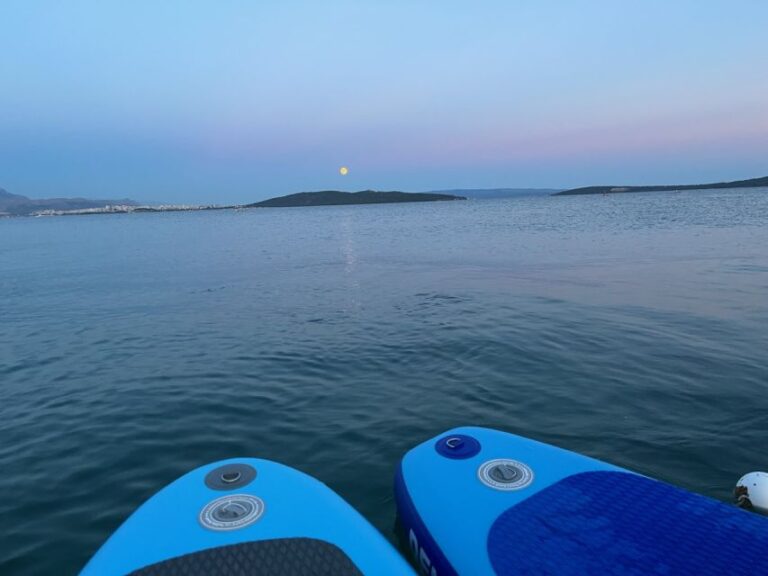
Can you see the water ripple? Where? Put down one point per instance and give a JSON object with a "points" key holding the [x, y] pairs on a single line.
{"points": [[631, 328]]}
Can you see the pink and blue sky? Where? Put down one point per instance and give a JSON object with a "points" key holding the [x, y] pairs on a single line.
{"points": [[230, 101]]}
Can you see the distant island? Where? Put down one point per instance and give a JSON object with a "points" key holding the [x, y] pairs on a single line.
{"points": [[752, 183], [336, 198]]}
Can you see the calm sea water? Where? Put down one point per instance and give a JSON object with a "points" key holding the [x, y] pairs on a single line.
{"points": [[633, 328]]}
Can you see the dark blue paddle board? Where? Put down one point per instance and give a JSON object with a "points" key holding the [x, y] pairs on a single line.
{"points": [[241, 517], [475, 501]]}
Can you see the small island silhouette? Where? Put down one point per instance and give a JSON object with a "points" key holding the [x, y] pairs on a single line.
{"points": [[336, 198], [751, 183]]}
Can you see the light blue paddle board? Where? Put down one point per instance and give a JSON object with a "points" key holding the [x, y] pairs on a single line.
{"points": [[246, 516], [477, 502]]}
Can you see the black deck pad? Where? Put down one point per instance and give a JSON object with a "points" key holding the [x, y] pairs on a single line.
{"points": [[279, 557]]}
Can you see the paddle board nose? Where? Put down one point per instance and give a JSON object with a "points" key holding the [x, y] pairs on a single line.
{"points": [[246, 516]]}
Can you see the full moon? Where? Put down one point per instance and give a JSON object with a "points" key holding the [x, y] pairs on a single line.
{"points": [[343, 170]]}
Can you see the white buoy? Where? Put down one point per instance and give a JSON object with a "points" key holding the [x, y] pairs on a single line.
{"points": [[752, 492]]}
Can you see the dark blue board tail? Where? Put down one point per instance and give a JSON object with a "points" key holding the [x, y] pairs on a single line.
{"points": [[511, 505]]}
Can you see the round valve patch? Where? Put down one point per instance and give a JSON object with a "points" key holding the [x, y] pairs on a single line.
{"points": [[503, 474], [231, 512]]}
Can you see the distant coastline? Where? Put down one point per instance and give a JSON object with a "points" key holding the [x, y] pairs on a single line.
{"points": [[16, 205], [751, 183], [497, 193]]}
